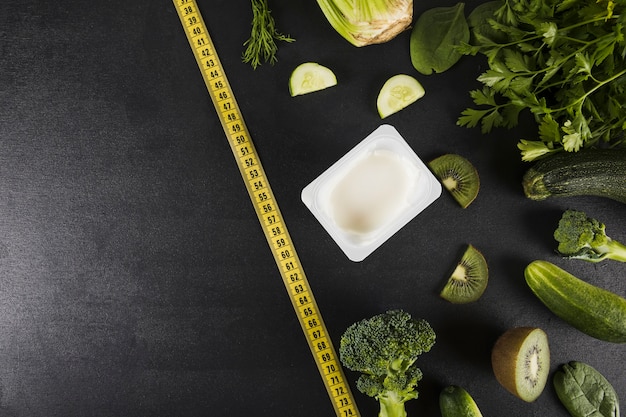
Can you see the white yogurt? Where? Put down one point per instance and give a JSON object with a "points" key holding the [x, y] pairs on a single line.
{"points": [[371, 193]]}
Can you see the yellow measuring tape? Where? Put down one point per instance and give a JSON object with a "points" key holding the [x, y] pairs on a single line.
{"points": [[267, 209]]}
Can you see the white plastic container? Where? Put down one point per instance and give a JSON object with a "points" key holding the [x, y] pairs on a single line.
{"points": [[371, 192]]}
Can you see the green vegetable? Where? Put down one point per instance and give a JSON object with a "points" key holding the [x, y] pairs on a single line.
{"points": [[592, 310], [309, 77], [398, 92], [455, 401], [582, 237], [585, 392], [434, 37], [366, 22], [478, 21], [261, 46], [384, 349], [592, 172], [564, 61]]}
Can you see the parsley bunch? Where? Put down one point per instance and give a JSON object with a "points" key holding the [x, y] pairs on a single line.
{"points": [[563, 60]]}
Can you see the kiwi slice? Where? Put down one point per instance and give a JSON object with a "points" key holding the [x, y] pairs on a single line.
{"points": [[468, 280], [458, 176], [521, 361]]}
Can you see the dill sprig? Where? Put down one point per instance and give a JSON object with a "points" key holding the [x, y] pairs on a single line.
{"points": [[261, 46]]}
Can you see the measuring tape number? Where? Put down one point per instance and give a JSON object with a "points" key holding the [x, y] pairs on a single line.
{"points": [[267, 209]]}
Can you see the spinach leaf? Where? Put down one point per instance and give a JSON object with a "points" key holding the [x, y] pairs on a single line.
{"points": [[481, 31], [585, 392], [435, 36]]}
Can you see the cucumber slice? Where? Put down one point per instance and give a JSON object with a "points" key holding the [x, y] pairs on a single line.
{"points": [[397, 93], [310, 77]]}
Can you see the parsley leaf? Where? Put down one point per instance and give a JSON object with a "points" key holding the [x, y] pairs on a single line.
{"points": [[564, 61]]}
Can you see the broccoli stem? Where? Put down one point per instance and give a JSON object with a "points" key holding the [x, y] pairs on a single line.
{"points": [[391, 405], [615, 250]]}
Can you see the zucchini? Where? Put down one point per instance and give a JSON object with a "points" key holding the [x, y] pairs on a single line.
{"points": [[595, 172], [592, 310], [455, 401]]}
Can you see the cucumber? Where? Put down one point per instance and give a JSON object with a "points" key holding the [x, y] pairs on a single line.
{"points": [[592, 310], [397, 93], [595, 172], [455, 401], [309, 77]]}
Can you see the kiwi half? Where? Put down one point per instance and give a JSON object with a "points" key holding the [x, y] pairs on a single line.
{"points": [[458, 176], [468, 280], [521, 361]]}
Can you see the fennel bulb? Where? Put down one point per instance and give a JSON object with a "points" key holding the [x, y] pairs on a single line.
{"points": [[366, 22]]}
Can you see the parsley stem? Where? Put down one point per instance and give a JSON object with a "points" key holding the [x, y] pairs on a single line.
{"points": [[579, 101], [535, 37]]}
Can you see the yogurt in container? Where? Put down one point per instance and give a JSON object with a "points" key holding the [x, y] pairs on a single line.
{"points": [[371, 192]]}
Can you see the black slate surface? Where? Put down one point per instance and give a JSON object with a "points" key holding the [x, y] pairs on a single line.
{"points": [[134, 277]]}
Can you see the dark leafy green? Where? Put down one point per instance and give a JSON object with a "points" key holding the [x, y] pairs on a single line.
{"points": [[564, 61], [478, 21], [585, 392], [434, 37]]}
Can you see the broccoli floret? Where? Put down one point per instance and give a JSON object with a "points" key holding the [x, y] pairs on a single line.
{"points": [[384, 349], [582, 237]]}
